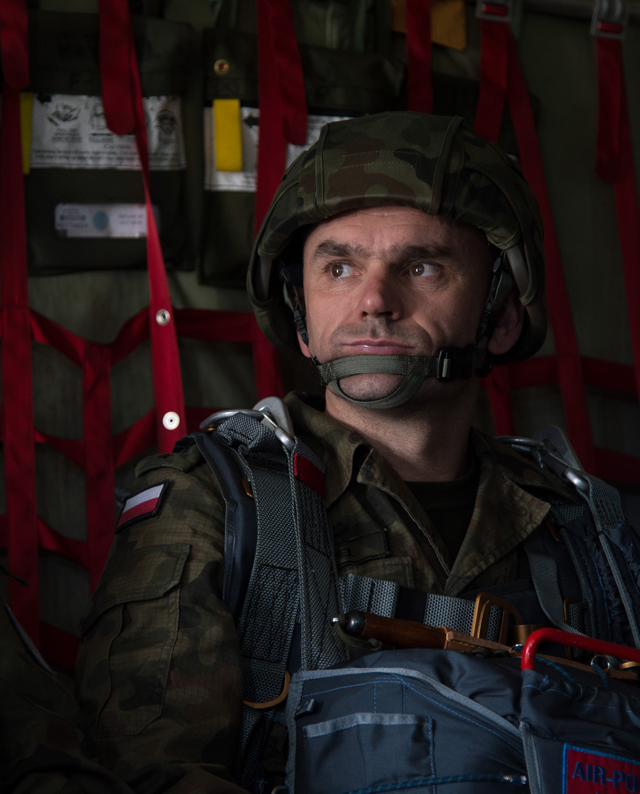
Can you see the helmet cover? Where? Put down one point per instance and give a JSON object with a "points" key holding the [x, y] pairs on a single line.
{"points": [[433, 163]]}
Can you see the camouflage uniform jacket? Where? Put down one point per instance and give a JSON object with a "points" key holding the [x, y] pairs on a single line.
{"points": [[44, 740], [159, 671]]}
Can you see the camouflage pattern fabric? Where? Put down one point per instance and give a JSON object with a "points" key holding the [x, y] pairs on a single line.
{"points": [[434, 163], [44, 741], [159, 672]]}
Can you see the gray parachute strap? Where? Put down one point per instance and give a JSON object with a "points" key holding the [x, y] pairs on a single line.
{"points": [[381, 598], [449, 364], [604, 502], [293, 576], [552, 449], [544, 573]]}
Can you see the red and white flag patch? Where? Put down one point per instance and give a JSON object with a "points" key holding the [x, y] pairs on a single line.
{"points": [[143, 505]]}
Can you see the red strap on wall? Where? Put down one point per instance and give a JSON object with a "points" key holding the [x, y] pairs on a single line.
{"points": [[418, 48], [283, 119], [494, 68], [615, 162], [122, 99], [569, 364], [17, 390]]}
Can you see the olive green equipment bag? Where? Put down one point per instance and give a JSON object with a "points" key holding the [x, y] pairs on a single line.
{"points": [[83, 182]]}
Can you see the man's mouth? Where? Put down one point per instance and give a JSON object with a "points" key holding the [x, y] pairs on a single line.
{"points": [[379, 347]]}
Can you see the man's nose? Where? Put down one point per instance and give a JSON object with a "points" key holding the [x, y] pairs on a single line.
{"points": [[380, 295]]}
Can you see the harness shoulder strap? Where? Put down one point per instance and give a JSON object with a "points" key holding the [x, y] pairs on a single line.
{"points": [[599, 540], [293, 577], [241, 521]]}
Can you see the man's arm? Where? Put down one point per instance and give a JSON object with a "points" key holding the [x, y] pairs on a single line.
{"points": [[159, 668]]}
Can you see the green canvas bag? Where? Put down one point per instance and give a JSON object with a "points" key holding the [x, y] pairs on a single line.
{"points": [[81, 175]]}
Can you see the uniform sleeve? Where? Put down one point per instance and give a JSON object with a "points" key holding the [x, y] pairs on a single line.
{"points": [[159, 669]]}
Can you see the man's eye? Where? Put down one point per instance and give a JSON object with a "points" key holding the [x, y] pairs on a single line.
{"points": [[340, 270], [422, 269]]}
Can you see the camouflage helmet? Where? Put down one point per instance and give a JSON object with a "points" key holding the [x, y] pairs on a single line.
{"points": [[434, 163]]}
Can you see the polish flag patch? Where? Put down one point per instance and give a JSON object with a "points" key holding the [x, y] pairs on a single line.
{"points": [[143, 505]]}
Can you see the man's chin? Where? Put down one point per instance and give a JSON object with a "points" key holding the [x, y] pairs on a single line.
{"points": [[370, 387]]}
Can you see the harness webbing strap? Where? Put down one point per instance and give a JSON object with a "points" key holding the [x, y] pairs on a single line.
{"points": [[544, 573], [501, 78], [418, 47], [604, 502], [17, 390], [389, 600], [294, 576], [122, 98]]}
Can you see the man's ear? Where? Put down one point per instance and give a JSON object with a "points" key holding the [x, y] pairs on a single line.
{"points": [[303, 347], [508, 324]]}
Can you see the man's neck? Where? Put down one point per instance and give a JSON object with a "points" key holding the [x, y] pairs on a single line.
{"points": [[427, 445]]}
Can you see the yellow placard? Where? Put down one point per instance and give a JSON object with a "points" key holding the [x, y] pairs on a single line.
{"points": [[227, 134], [448, 22], [26, 114]]}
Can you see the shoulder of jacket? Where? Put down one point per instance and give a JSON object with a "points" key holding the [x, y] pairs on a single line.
{"points": [[185, 457], [526, 472]]}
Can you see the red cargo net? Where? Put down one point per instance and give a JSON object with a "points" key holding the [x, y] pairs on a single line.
{"points": [[98, 453], [501, 80]]}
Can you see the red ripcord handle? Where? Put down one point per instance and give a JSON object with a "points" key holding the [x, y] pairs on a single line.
{"points": [[575, 641]]}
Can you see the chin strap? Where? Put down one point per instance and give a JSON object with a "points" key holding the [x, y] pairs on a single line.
{"points": [[451, 363]]}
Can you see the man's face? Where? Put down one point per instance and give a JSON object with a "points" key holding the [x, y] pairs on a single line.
{"points": [[392, 280]]}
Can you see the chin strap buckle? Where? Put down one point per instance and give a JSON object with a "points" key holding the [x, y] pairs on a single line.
{"points": [[455, 362]]}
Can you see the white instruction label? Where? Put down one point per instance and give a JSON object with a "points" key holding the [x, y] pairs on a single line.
{"points": [[102, 220], [71, 132], [245, 180]]}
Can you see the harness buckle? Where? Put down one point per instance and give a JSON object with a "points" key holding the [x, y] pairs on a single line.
{"points": [[482, 614], [446, 358], [265, 415], [609, 20], [495, 10]]}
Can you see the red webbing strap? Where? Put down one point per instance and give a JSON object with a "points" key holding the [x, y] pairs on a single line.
{"points": [[570, 374], [494, 69], [418, 48], [122, 98], [98, 461], [14, 43], [615, 162], [288, 70], [569, 365], [93, 453], [17, 390], [283, 119], [611, 98]]}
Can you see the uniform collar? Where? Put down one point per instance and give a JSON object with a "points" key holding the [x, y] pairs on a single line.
{"points": [[334, 442], [504, 515]]}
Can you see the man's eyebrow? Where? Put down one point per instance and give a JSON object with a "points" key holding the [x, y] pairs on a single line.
{"points": [[428, 251], [399, 252], [334, 248]]}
